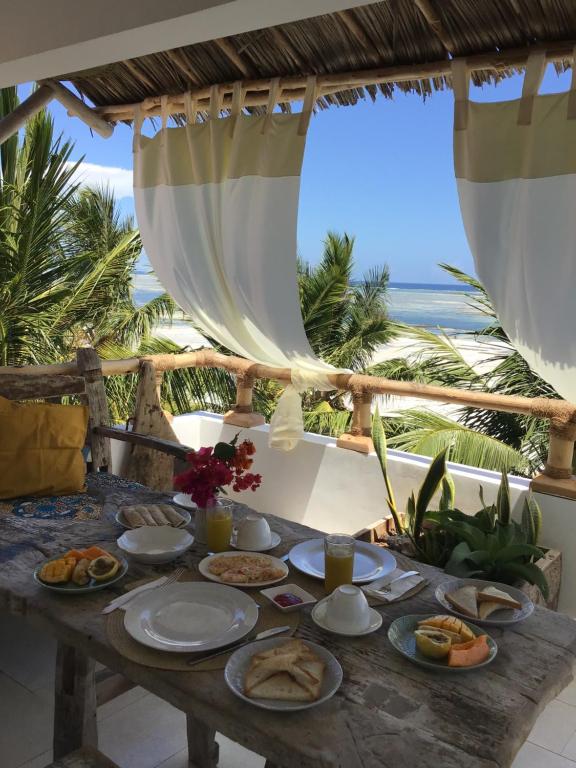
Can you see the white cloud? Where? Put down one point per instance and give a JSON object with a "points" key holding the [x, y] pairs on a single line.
{"points": [[118, 179]]}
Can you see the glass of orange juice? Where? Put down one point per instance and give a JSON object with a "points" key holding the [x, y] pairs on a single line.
{"points": [[338, 561], [219, 519]]}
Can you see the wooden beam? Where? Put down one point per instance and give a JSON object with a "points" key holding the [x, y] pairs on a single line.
{"points": [[90, 366], [76, 107], [293, 87], [355, 29], [283, 41], [181, 62], [231, 54], [169, 447], [74, 701], [37, 100], [142, 77], [16, 387], [541, 407], [433, 20]]}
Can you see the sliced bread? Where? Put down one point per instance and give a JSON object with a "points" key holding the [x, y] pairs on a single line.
{"points": [[464, 600], [283, 687], [495, 595], [485, 609]]}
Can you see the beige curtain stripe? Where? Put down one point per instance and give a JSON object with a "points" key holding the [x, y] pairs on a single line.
{"points": [[237, 95], [308, 105], [535, 68], [572, 94], [461, 87]]}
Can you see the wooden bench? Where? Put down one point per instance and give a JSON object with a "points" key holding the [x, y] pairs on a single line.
{"points": [[86, 757]]}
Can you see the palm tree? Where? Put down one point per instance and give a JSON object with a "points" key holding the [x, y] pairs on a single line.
{"points": [[482, 438], [67, 259]]}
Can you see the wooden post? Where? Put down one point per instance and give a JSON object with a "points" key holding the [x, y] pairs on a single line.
{"points": [[12, 123], [76, 106], [145, 465], [202, 747], [74, 701], [557, 478], [241, 413], [360, 436], [90, 366]]}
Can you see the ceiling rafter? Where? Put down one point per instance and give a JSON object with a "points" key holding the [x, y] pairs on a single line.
{"points": [[232, 55]]}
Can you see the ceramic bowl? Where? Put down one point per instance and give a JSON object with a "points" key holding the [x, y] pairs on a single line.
{"points": [[155, 544]]}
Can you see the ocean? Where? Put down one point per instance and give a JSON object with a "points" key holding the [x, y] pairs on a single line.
{"points": [[429, 305]]}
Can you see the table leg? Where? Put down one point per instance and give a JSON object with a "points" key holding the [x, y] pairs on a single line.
{"points": [[202, 747], [74, 701]]}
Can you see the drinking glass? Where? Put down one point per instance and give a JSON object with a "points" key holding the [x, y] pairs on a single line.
{"points": [[219, 518], [338, 560]]}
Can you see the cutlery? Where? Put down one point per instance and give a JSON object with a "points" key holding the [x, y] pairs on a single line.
{"points": [[163, 581], [192, 662], [388, 587]]}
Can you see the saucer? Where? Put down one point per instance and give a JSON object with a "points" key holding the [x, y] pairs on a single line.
{"points": [[318, 616], [275, 539]]}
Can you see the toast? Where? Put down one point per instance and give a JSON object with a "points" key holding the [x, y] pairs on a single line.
{"points": [[464, 600], [494, 595], [485, 609], [288, 672]]}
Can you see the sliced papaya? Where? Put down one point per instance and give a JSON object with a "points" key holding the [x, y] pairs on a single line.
{"points": [[75, 554], [93, 552], [469, 654]]}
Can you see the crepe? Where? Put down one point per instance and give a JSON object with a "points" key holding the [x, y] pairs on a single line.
{"points": [[289, 672], [244, 569], [138, 515]]}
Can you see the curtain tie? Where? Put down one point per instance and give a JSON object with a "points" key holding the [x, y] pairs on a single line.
{"points": [[461, 87]]}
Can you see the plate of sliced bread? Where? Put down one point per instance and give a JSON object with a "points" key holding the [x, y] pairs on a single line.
{"points": [[283, 675], [139, 515], [486, 602]]}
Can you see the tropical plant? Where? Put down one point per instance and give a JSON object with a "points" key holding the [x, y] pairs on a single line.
{"points": [[477, 437]]}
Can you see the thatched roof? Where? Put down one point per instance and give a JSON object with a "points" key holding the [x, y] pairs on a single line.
{"points": [[382, 35]]}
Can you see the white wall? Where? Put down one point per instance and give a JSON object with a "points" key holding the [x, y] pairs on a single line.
{"points": [[334, 489]]}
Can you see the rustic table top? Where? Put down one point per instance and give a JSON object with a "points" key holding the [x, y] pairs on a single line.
{"points": [[388, 711]]}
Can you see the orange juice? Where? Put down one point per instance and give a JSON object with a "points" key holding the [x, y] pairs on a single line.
{"points": [[338, 570], [218, 531]]}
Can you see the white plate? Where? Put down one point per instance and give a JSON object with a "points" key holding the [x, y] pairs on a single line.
{"points": [[155, 544], [275, 539], [319, 618], [497, 619], [203, 568], [370, 562], [237, 666], [184, 500], [125, 524], [192, 616]]}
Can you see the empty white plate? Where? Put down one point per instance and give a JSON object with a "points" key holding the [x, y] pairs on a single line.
{"points": [[370, 562], [192, 616]]}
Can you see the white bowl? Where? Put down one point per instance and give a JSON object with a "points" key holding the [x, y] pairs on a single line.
{"points": [[155, 544], [294, 589]]}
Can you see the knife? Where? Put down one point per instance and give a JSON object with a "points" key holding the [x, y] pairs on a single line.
{"points": [[260, 636], [118, 601]]}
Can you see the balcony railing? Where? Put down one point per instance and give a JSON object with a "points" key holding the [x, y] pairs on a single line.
{"points": [[556, 477]]}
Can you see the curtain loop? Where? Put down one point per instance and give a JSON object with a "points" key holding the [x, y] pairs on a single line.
{"points": [[308, 105], [237, 98], [461, 88], [274, 93], [190, 108], [164, 118], [572, 92], [214, 102], [137, 127], [535, 68]]}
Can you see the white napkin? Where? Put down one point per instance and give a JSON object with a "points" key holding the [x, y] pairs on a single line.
{"points": [[397, 590]]}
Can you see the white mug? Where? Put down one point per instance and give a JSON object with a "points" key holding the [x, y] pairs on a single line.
{"points": [[253, 532], [347, 609]]}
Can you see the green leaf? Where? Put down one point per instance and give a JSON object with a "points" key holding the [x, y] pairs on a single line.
{"points": [[448, 492], [433, 478], [475, 538], [531, 520], [379, 440], [503, 501], [224, 451], [530, 573], [514, 551]]}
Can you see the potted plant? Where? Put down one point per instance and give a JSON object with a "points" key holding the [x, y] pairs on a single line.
{"points": [[211, 470]]}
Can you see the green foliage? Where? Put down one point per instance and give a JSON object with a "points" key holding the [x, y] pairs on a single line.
{"points": [[531, 522], [379, 440]]}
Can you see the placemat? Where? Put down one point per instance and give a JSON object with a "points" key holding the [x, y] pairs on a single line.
{"points": [[129, 648], [78, 506]]}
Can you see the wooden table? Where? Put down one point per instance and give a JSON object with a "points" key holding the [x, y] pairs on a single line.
{"points": [[388, 711]]}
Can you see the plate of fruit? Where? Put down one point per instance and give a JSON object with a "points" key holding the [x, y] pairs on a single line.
{"points": [[81, 570], [442, 642]]}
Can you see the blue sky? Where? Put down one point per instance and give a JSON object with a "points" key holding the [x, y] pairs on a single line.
{"points": [[382, 172]]}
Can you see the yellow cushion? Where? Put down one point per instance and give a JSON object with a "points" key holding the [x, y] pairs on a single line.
{"points": [[41, 448]]}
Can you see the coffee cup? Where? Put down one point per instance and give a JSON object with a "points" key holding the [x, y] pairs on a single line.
{"points": [[347, 610], [253, 533]]}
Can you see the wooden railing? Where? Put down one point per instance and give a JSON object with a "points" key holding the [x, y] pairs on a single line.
{"points": [[555, 479]]}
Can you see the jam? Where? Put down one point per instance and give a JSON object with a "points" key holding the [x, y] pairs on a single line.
{"points": [[287, 599]]}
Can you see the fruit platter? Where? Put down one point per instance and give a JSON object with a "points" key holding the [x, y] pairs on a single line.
{"points": [[442, 642], [79, 571]]}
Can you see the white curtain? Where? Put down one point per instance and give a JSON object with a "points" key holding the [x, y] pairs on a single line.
{"points": [[217, 206], [515, 165]]}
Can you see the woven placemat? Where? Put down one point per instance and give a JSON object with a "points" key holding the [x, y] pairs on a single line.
{"points": [[129, 648]]}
